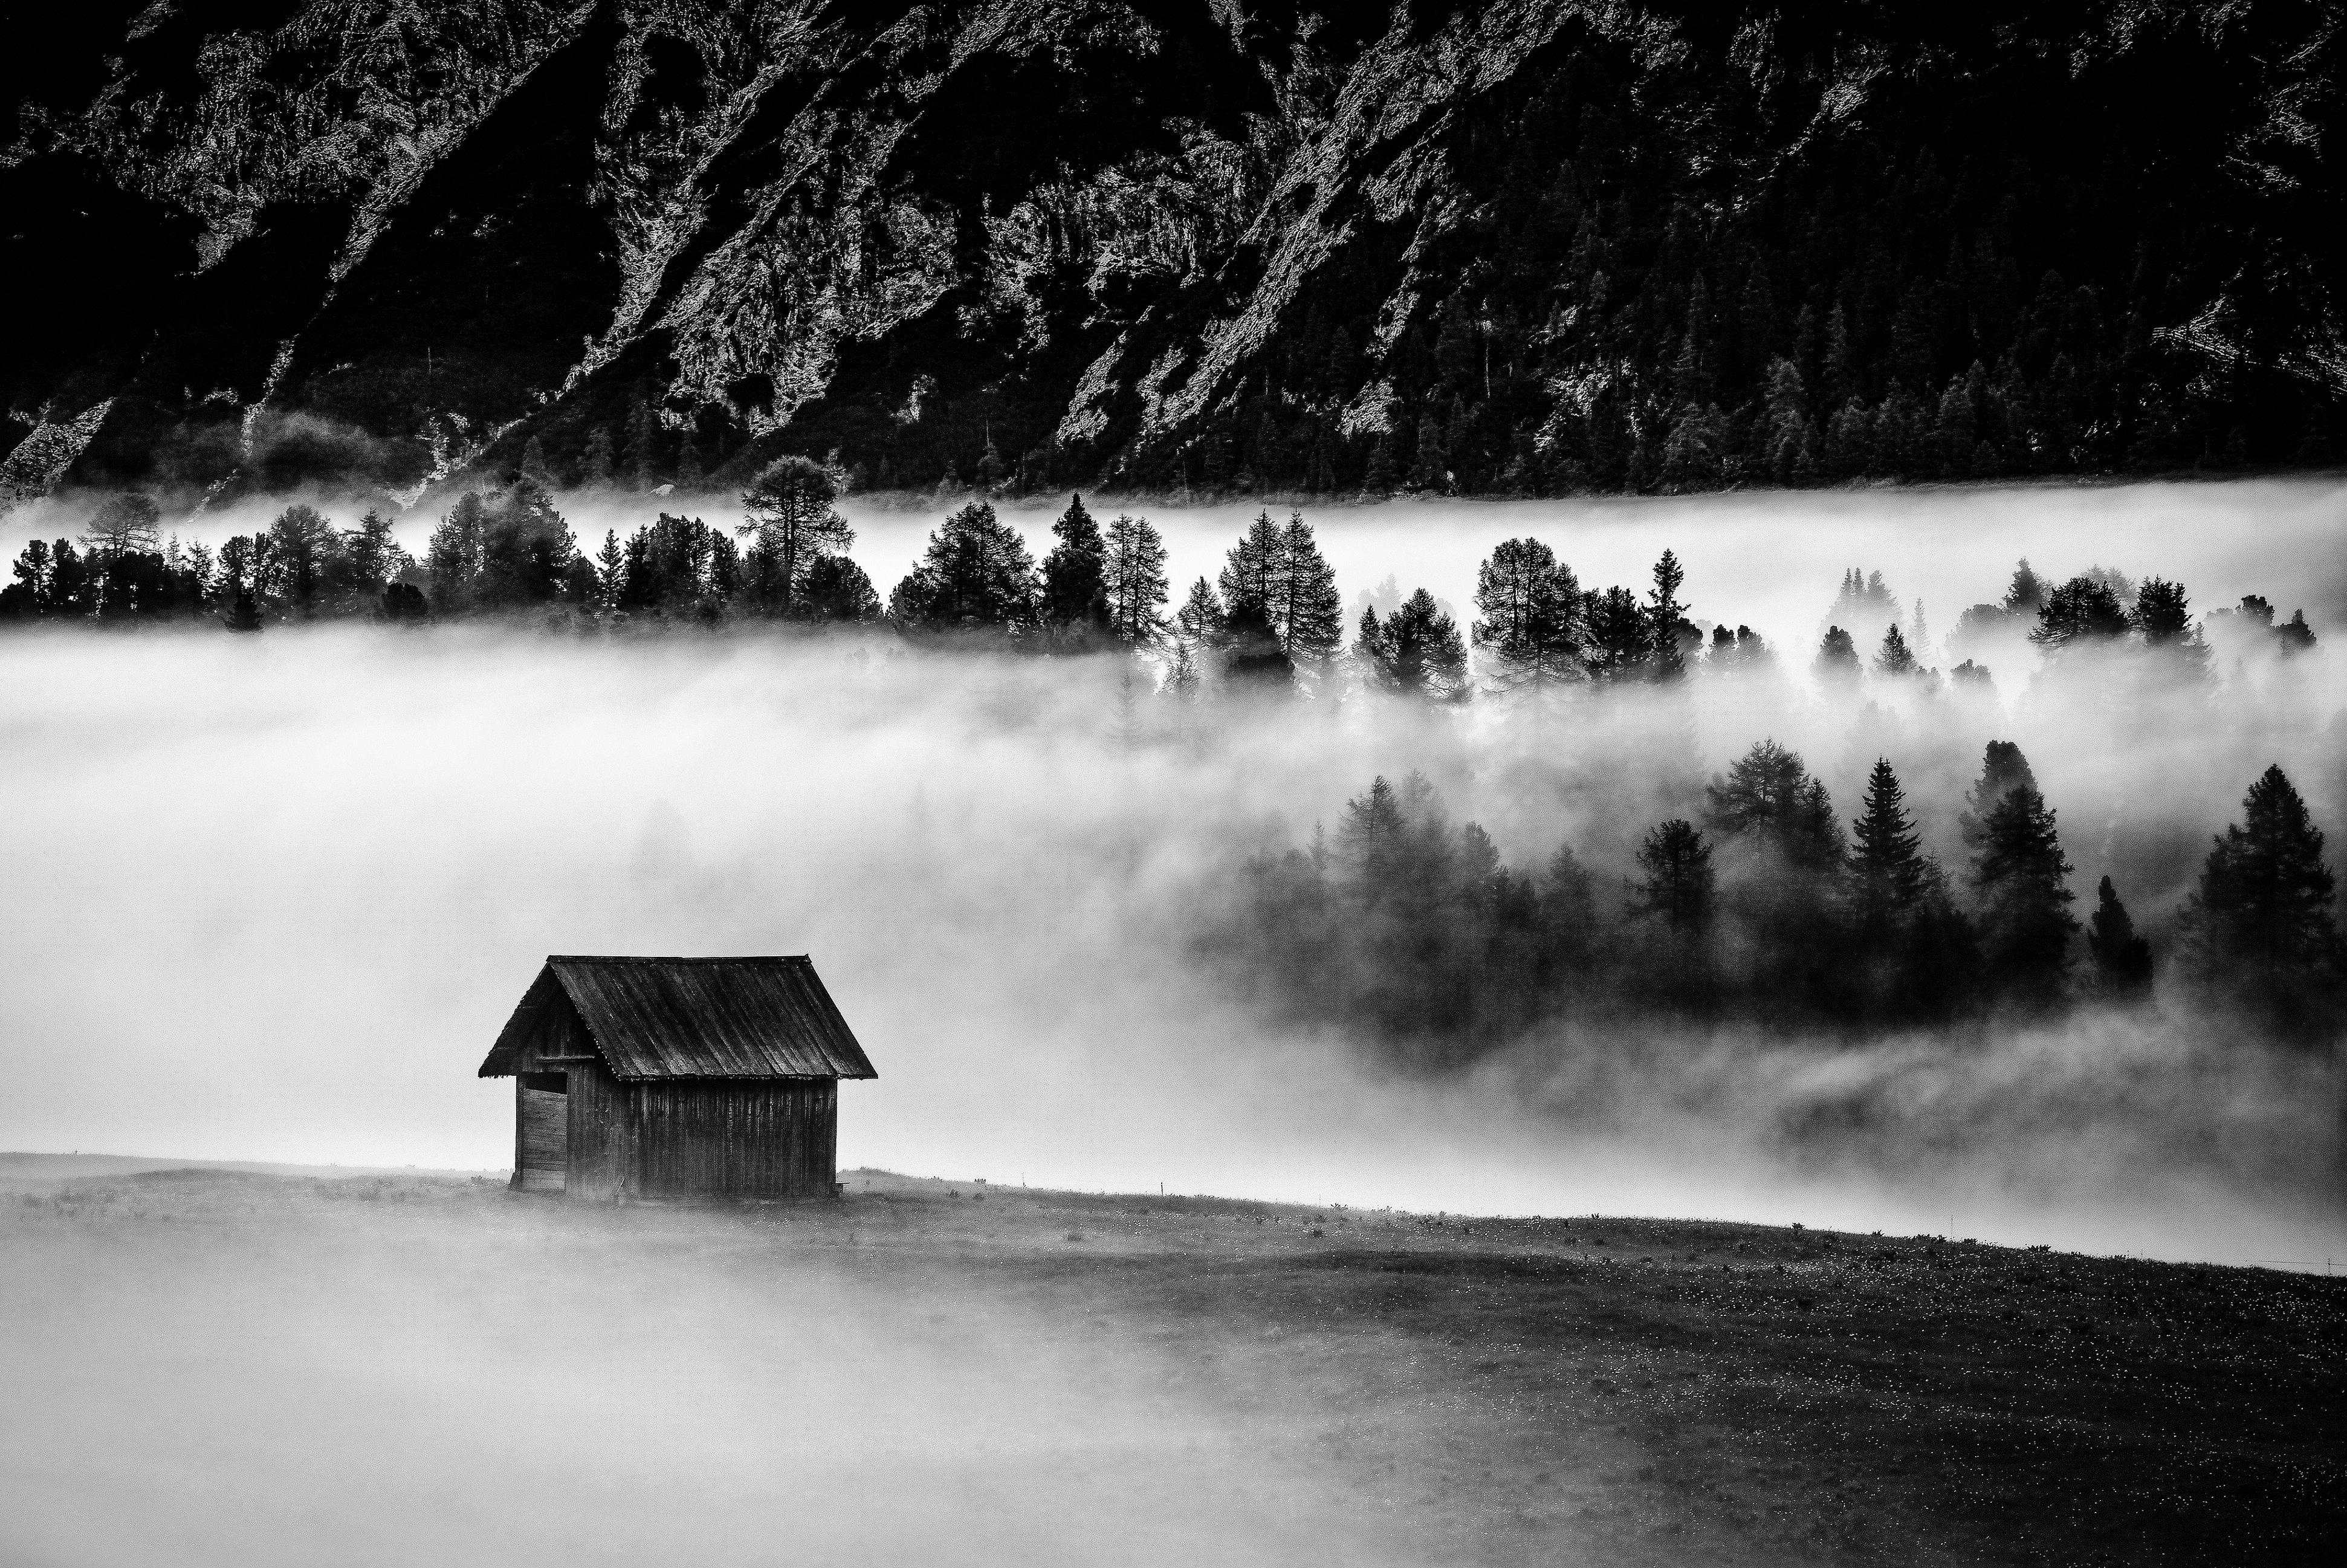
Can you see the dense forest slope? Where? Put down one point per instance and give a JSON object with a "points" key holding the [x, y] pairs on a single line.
{"points": [[1507, 246]]}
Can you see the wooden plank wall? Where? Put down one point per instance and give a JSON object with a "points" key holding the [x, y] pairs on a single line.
{"points": [[602, 1134], [736, 1137], [539, 1146]]}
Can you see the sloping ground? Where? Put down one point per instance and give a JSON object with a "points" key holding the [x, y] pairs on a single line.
{"points": [[1523, 245], [933, 1368]]}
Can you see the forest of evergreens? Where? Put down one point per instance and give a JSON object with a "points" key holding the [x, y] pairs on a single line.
{"points": [[1767, 902]]}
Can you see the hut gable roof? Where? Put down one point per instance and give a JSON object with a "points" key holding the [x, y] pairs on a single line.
{"points": [[691, 1018]]}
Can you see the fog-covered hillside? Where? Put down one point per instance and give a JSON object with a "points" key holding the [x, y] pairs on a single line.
{"points": [[1525, 246]]}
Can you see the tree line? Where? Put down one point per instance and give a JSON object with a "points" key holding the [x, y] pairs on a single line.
{"points": [[1767, 908]]}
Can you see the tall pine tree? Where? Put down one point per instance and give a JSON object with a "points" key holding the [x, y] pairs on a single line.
{"points": [[2260, 925], [2021, 879]]}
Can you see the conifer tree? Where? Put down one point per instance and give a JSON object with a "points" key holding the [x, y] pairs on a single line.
{"points": [[1075, 586], [643, 454], [1203, 621], [1768, 794], [2021, 878], [1135, 570], [534, 468], [836, 590], [2083, 610], [1894, 658], [1416, 652], [1306, 606], [2003, 770], [610, 572], [2260, 924], [1667, 623], [1620, 637], [1677, 881], [1531, 625], [975, 575], [2122, 958], [2162, 617], [1836, 666], [1887, 867], [598, 467], [789, 512], [2026, 593]]}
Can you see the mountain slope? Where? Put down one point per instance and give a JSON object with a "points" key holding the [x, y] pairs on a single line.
{"points": [[1519, 245]]}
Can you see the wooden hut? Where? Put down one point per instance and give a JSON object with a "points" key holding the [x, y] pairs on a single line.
{"points": [[675, 1078]]}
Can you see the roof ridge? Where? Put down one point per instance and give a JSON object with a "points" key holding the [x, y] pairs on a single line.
{"points": [[656, 958]]}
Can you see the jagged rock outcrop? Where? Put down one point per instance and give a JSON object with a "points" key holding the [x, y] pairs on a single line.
{"points": [[1528, 245]]}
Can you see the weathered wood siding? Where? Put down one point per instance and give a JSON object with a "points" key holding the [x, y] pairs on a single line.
{"points": [[750, 1138], [602, 1136], [541, 1138]]}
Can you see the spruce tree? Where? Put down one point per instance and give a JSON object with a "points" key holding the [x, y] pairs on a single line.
{"points": [[1666, 622], [1075, 585], [1836, 666], [1886, 866], [2260, 925], [1894, 658], [2021, 879], [2122, 958], [2003, 771]]}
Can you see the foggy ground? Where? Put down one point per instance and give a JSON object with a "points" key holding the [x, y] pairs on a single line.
{"points": [[230, 1368]]}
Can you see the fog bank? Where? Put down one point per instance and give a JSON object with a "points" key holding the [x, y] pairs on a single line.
{"points": [[271, 897]]}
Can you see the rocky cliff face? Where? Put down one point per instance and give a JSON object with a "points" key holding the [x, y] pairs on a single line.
{"points": [[1525, 245]]}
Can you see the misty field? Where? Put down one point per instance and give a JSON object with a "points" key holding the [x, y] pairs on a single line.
{"points": [[216, 1366]]}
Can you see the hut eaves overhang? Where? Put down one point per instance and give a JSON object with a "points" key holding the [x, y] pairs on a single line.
{"points": [[691, 1018]]}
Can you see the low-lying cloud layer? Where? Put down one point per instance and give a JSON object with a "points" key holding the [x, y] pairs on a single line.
{"points": [[271, 897]]}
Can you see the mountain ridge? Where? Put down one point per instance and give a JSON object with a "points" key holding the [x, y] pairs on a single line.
{"points": [[1514, 246]]}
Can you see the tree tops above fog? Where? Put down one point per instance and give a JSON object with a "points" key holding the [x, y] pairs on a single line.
{"points": [[1409, 927]]}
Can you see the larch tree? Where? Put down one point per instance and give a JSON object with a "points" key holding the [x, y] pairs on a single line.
{"points": [[1134, 569], [1204, 621], [1768, 794], [1677, 880], [1305, 608], [127, 524], [1530, 627]]}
